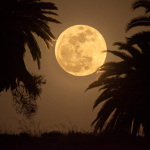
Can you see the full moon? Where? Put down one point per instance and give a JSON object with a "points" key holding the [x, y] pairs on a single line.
{"points": [[80, 50]]}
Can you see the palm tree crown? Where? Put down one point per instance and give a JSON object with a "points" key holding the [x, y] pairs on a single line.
{"points": [[20, 21], [142, 20], [125, 84]]}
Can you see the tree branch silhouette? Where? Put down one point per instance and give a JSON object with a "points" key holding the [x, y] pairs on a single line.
{"points": [[24, 102]]}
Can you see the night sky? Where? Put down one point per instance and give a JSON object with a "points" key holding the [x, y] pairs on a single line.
{"points": [[63, 103]]}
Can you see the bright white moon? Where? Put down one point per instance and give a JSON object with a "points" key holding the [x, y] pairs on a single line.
{"points": [[80, 50]]}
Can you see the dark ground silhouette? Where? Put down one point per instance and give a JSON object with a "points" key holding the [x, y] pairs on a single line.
{"points": [[73, 141]]}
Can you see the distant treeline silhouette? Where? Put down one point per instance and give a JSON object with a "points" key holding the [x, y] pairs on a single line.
{"points": [[20, 20], [125, 85]]}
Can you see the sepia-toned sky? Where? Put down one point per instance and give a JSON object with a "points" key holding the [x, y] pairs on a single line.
{"points": [[63, 104]]}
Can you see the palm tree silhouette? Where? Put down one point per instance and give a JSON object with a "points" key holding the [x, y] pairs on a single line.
{"points": [[20, 21], [143, 20], [125, 84]]}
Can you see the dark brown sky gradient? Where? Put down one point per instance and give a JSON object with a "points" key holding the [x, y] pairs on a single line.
{"points": [[63, 101]]}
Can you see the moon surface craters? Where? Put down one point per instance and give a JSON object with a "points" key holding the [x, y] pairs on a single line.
{"points": [[74, 60], [78, 50]]}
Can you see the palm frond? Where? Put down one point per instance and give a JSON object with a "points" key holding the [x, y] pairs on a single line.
{"points": [[136, 22], [45, 18], [142, 3], [109, 69], [48, 12], [42, 30], [104, 113], [43, 35], [128, 47], [44, 5], [112, 82], [140, 37], [136, 125], [34, 47], [40, 26], [124, 121], [106, 83], [93, 85], [122, 55], [112, 122], [106, 95]]}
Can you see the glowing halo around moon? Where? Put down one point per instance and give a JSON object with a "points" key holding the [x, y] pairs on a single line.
{"points": [[80, 49]]}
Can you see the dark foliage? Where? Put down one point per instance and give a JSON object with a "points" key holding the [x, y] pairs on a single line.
{"points": [[20, 21], [24, 102], [142, 20], [125, 85]]}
